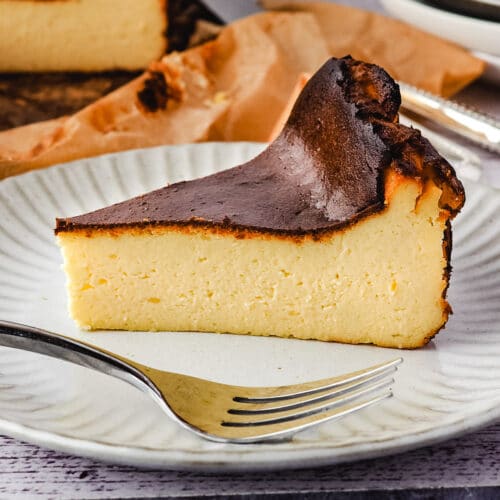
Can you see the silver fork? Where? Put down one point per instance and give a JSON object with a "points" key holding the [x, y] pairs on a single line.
{"points": [[220, 412]]}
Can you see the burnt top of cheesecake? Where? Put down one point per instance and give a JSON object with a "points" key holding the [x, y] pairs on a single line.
{"points": [[324, 171]]}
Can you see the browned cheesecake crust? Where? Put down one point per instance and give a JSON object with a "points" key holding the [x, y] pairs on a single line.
{"points": [[325, 171]]}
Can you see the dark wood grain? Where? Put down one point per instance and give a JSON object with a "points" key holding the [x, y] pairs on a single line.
{"points": [[28, 98], [469, 464]]}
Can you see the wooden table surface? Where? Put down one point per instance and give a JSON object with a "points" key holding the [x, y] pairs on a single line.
{"points": [[467, 467]]}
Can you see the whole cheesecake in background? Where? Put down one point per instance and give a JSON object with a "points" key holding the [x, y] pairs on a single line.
{"points": [[81, 35], [338, 231], [232, 88]]}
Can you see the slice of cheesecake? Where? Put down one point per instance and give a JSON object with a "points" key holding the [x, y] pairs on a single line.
{"points": [[338, 231], [81, 35]]}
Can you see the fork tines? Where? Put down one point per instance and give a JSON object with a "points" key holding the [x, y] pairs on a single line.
{"points": [[294, 408]]}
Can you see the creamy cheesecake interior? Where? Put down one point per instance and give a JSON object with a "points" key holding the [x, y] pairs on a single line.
{"points": [[338, 231], [381, 281], [81, 35]]}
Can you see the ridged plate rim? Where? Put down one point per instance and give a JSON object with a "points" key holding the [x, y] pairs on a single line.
{"points": [[239, 458], [253, 461]]}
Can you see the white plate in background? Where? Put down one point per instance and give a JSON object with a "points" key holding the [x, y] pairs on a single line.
{"points": [[492, 73], [470, 32]]}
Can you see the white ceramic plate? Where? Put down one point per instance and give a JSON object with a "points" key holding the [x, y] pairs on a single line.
{"points": [[492, 73], [475, 34], [449, 387]]}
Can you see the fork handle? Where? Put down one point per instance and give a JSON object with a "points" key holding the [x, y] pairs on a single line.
{"points": [[29, 338]]}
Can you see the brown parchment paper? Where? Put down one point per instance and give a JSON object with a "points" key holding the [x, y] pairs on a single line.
{"points": [[234, 88], [405, 52]]}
